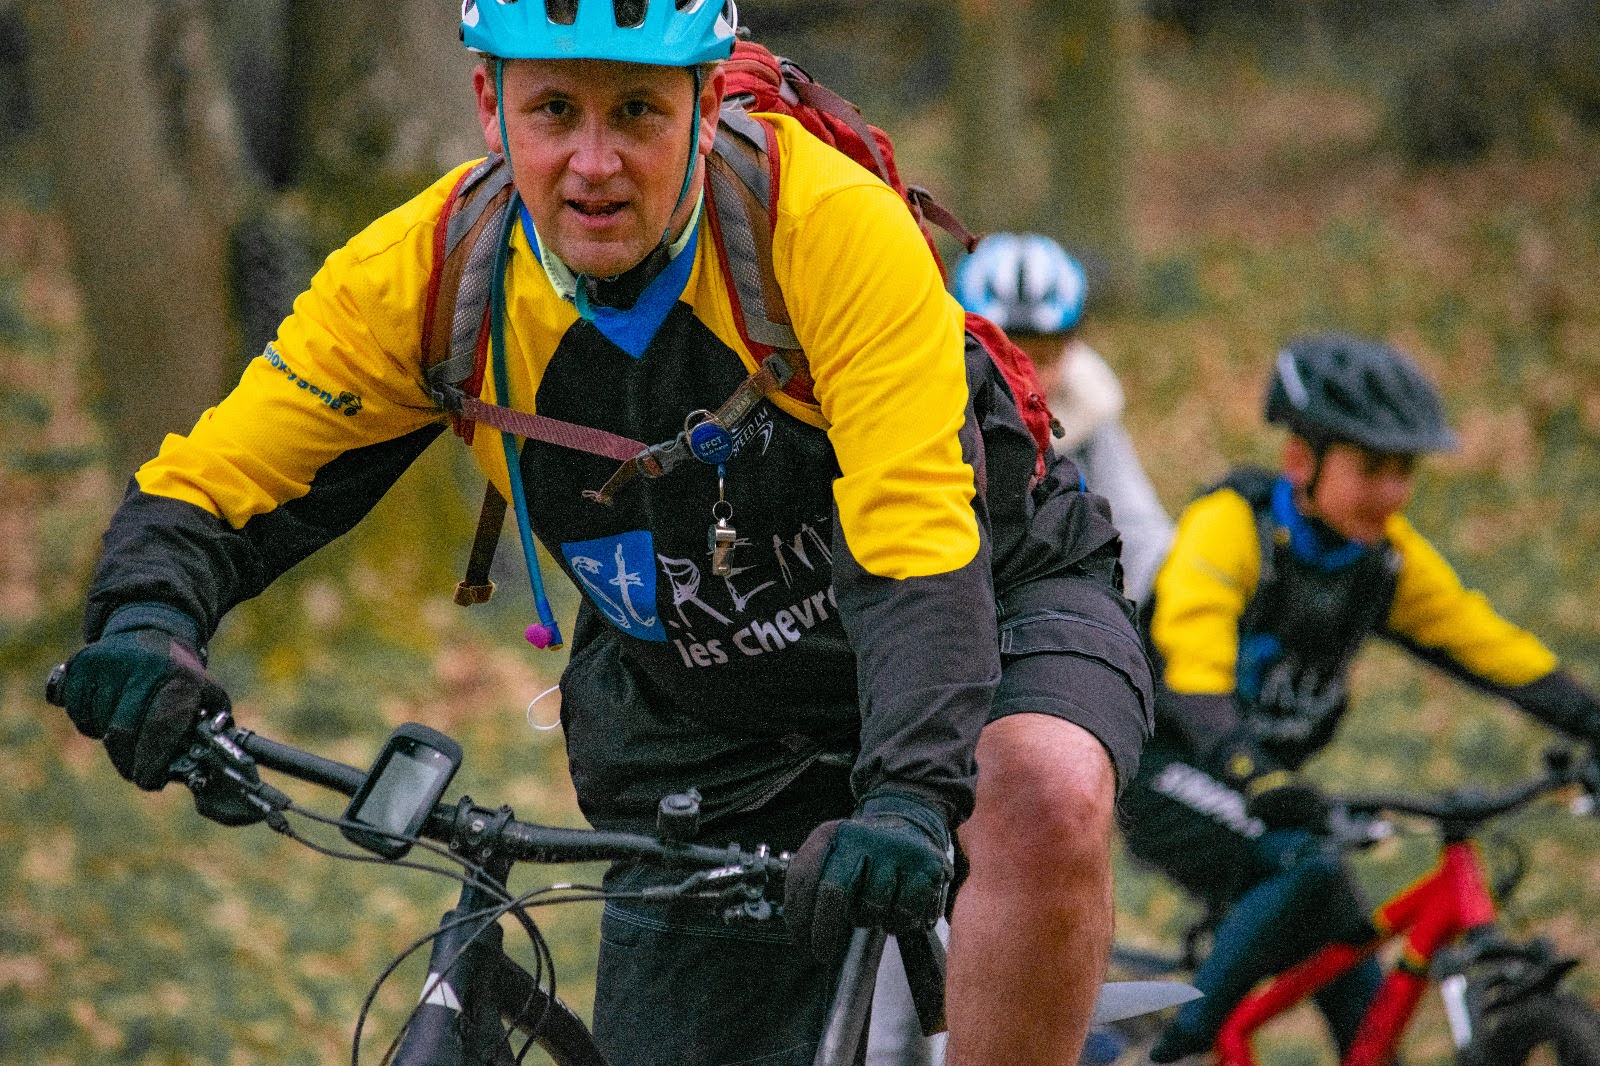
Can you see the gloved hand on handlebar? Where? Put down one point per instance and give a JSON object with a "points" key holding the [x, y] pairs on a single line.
{"points": [[887, 865], [1280, 798], [141, 688], [1285, 800]]}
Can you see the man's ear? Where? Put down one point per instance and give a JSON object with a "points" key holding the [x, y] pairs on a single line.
{"points": [[1299, 462], [711, 92], [488, 105]]}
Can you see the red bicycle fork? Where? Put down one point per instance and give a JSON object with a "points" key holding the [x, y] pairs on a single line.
{"points": [[1445, 903]]}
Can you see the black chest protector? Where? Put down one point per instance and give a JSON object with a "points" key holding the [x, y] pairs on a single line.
{"points": [[1302, 627]]}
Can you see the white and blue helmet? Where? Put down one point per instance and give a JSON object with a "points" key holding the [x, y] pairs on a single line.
{"points": [[667, 33], [1022, 282]]}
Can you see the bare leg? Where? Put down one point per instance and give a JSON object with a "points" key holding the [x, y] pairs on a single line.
{"points": [[1032, 925]]}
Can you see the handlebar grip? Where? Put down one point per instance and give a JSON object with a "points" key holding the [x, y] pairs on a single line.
{"points": [[55, 686]]}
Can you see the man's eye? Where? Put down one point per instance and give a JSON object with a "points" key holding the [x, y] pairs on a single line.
{"points": [[557, 108], [636, 109]]}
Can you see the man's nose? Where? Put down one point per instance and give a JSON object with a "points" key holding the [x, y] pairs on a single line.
{"points": [[595, 157]]}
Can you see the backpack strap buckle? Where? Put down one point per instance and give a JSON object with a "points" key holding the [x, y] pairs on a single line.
{"points": [[700, 426]]}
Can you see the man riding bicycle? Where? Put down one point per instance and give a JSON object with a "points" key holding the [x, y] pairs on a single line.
{"points": [[1274, 581], [860, 623]]}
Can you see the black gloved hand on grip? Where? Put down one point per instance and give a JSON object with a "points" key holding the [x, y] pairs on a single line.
{"points": [[141, 688], [1280, 798], [1285, 800], [888, 865]]}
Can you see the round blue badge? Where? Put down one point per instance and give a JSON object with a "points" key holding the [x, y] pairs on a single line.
{"points": [[710, 443]]}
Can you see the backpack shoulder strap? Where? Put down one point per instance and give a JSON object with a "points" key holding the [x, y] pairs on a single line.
{"points": [[743, 179], [454, 334], [1254, 483], [455, 331]]}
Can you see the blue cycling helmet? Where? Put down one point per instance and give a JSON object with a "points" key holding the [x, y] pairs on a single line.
{"points": [[1022, 282], [666, 33]]}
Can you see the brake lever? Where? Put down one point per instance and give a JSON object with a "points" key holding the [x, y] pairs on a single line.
{"points": [[1585, 803], [216, 754], [741, 888]]}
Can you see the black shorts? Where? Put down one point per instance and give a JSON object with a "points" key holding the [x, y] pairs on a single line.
{"points": [[1069, 649], [681, 988]]}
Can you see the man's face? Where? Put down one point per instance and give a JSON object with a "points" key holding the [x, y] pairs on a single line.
{"points": [[1357, 489], [599, 151]]}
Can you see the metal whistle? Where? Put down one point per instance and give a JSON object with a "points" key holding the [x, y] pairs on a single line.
{"points": [[720, 540]]}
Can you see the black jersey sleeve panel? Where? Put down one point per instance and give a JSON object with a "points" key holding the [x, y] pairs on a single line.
{"points": [[927, 662], [161, 550], [1559, 700], [169, 551], [1556, 699]]}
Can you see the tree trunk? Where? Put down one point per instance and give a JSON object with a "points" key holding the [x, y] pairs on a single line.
{"points": [[997, 179], [1087, 126], [382, 96], [148, 236], [1040, 133], [174, 121]]}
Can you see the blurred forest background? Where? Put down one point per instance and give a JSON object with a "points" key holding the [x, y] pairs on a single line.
{"points": [[1235, 171]]}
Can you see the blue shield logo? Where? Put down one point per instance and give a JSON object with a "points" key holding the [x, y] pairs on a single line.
{"points": [[618, 574]]}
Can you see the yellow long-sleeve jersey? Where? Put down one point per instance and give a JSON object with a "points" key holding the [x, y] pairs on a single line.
{"points": [[872, 526], [1254, 605]]}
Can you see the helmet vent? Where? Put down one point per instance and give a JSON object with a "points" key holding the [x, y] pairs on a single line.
{"points": [[561, 12], [629, 13], [1289, 374]]}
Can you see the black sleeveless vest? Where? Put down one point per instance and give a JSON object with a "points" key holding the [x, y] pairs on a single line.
{"points": [[1301, 629]]}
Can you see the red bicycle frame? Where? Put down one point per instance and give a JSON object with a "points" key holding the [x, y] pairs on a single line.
{"points": [[1445, 903]]}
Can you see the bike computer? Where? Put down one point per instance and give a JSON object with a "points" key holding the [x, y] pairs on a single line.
{"points": [[410, 774]]}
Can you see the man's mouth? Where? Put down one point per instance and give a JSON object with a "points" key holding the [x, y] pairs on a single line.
{"points": [[597, 208]]}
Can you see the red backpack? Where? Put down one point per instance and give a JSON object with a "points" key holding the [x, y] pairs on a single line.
{"points": [[743, 177], [762, 82]]}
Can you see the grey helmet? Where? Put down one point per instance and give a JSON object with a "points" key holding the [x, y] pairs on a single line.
{"points": [[1335, 387]]}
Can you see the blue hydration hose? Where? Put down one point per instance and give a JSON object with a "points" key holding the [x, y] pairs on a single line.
{"points": [[546, 633]]}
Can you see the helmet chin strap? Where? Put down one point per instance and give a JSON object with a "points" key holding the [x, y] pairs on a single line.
{"points": [[546, 633], [1319, 451]]}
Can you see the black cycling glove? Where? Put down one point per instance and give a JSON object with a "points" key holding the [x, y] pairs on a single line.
{"points": [[141, 688], [888, 866], [1280, 798]]}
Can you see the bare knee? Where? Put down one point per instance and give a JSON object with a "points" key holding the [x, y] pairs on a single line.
{"points": [[1046, 802]]}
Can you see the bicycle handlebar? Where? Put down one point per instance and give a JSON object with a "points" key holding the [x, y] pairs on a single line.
{"points": [[750, 881], [236, 751], [1463, 810], [465, 823]]}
